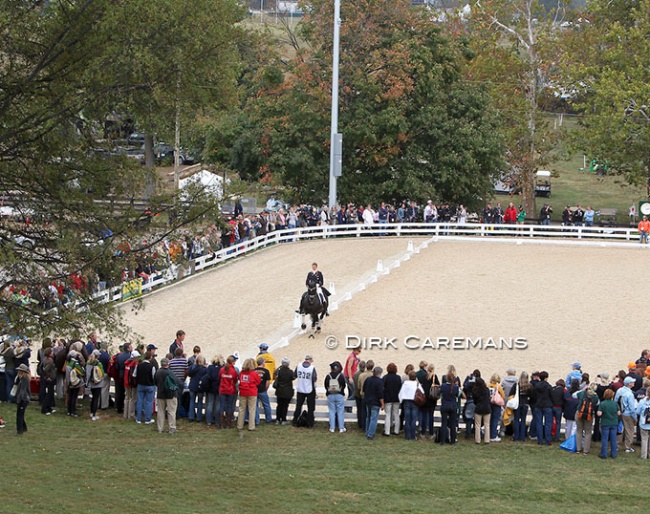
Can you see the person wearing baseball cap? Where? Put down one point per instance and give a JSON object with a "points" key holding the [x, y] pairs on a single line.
{"points": [[574, 374], [269, 360], [625, 398], [151, 348], [633, 373]]}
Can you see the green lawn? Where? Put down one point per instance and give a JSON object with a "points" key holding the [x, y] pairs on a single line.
{"points": [[75, 465]]}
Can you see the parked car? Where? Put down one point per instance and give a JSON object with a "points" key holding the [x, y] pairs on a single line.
{"points": [[135, 139]]}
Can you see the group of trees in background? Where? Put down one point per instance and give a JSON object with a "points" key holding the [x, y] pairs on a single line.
{"points": [[432, 105]]}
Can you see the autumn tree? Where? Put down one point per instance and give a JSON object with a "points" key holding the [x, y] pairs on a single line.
{"points": [[412, 128], [516, 42], [69, 193], [606, 66]]}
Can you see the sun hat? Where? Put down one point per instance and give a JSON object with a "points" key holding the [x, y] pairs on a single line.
{"points": [[23, 367]]}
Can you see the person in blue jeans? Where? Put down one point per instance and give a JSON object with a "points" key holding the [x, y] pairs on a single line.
{"points": [[262, 392], [145, 376], [407, 397], [519, 422], [373, 396], [609, 413], [196, 372], [558, 400], [543, 409], [335, 390]]}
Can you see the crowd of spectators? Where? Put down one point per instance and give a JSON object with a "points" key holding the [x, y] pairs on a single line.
{"points": [[488, 407]]}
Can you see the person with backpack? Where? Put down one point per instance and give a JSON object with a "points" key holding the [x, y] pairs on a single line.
{"points": [[199, 386], [585, 413], [212, 402], [74, 381], [167, 396], [95, 379], [334, 390]]}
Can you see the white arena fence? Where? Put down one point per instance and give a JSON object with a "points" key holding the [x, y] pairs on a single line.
{"points": [[519, 234]]}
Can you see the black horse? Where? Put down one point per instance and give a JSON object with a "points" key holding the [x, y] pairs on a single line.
{"points": [[313, 303]]}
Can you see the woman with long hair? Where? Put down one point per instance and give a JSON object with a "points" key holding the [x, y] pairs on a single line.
{"points": [[22, 397], [482, 410], [519, 421], [283, 386], [249, 380], [212, 402], [228, 377]]}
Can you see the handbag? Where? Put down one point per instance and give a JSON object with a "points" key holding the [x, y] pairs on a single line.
{"points": [[434, 392], [420, 398], [14, 391], [497, 399], [513, 403]]}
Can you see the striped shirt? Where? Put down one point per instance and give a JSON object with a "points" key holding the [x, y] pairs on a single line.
{"points": [[178, 366]]}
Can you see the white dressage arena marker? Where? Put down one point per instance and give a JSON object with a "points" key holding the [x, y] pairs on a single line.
{"points": [[332, 288], [296, 321], [373, 279], [380, 266], [396, 264], [409, 248]]}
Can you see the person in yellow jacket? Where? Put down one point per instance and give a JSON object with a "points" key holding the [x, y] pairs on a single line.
{"points": [[644, 228], [269, 360]]}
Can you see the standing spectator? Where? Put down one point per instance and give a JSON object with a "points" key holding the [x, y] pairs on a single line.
{"points": [[212, 409], [510, 215], [545, 214], [131, 388], [643, 412], [585, 414], [358, 395], [495, 414], [335, 392], [519, 422], [120, 392], [269, 360], [305, 375], [482, 410], [567, 216], [178, 342], [609, 413], [589, 216], [570, 408], [167, 401], [74, 381], [249, 381], [449, 394], [574, 374], [48, 377], [283, 391], [544, 409], [10, 369], [643, 228], [94, 381], [578, 216], [104, 359], [373, 395], [228, 377], [22, 397], [461, 215], [625, 399], [521, 215], [146, 389], [392, 387], [351, 367], [407, 397], [558, 399], [196, 372], [196, 351], [263, 391]]}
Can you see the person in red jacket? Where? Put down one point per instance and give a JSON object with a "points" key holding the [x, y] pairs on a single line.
{"points": [[228, 377], [510, 215], [248, 382]]}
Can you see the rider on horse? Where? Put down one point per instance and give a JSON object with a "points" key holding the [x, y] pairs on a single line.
{"points": [[315, 275]]}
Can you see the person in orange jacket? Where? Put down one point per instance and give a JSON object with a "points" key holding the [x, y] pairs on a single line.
{"points": [[644, 228]]}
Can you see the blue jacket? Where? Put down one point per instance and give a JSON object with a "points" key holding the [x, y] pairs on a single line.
{"points": [[625, 398], [195, 373], [213, 372]]}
